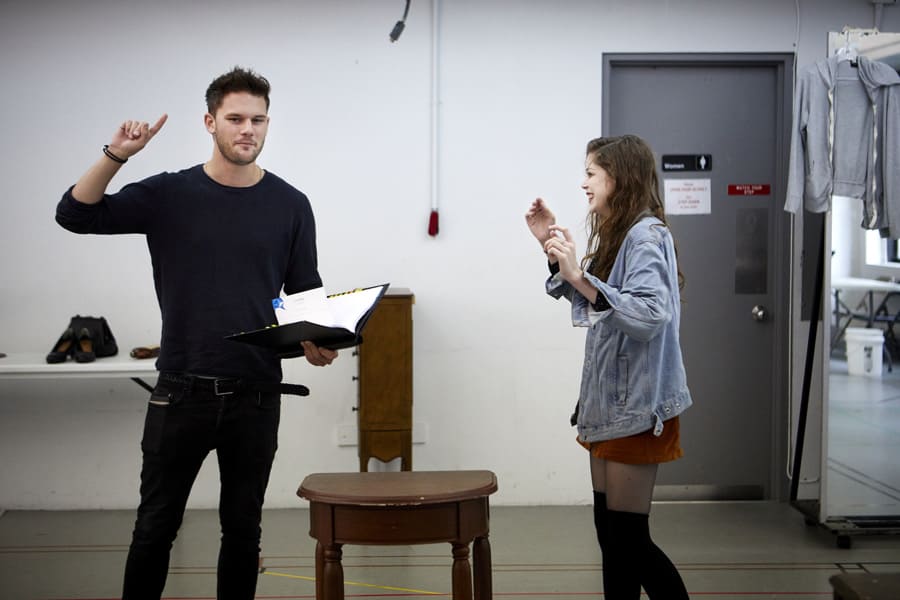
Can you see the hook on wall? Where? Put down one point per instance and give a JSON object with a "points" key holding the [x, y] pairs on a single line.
{"points": [[400, 25]]}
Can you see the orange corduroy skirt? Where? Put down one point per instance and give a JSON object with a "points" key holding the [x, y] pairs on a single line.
{"points": [[641, 448]]}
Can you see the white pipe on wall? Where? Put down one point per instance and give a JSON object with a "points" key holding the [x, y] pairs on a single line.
{"points": [[435, 114]]}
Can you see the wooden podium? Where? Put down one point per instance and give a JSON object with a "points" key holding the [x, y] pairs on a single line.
{"points": [[385, 382]]}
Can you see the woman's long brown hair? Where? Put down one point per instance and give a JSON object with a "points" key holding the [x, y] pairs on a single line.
{"points": [[629, 161]]}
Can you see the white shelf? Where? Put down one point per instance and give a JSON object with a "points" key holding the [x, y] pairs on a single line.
{"points": [[35, 366]]}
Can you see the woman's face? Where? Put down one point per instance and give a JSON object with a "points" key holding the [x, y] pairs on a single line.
{"points": [[598, 186]]}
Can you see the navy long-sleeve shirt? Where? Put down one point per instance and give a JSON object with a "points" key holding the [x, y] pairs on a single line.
{"points": [[220, 255]]}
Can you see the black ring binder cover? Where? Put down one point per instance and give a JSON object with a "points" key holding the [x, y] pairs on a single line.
{"points": [[285, 339]]}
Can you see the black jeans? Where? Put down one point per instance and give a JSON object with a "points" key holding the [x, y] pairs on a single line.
{"points": [[183, 424]]}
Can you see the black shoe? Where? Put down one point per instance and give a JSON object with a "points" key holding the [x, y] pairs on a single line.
{"points": [[63, 347], [84, 349]]}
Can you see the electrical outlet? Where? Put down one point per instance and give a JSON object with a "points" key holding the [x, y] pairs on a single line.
{"points": [[420, 432], [347, 434]]}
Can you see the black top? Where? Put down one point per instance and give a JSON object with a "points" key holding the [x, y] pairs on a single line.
{"points": [[600, 304], [220, 255]]}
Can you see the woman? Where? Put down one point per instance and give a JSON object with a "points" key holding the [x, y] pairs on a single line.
{"points": [[626, 290]]}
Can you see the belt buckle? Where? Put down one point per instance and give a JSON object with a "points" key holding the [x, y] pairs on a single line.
{"points": [[216, 387]]}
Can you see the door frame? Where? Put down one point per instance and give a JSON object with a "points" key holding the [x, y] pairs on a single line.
{"points": [[782, 222]]}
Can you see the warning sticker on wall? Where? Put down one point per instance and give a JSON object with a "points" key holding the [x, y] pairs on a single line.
{"points": [[749, 189], [687, 197]]}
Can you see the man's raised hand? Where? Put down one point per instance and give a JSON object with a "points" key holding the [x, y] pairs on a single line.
{"points": [[131, 136]]}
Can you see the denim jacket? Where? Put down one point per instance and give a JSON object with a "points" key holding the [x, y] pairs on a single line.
{"points": [[633, 377]]}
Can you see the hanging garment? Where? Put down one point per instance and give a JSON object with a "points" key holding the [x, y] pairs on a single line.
{"points": [[845, 140]]}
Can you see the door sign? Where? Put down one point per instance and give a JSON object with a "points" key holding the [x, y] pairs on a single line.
{"points": [[687, 196], [686, 162]]}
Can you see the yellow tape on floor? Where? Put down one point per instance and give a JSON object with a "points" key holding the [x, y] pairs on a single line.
{"points": [[354, 583]]}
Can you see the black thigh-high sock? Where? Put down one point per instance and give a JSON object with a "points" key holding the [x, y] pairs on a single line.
{"points": [[622, 556], [637, 561], [662, 581], [601, 524]]}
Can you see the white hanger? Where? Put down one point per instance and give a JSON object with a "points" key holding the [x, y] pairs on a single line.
{"points": [[848, 50]]}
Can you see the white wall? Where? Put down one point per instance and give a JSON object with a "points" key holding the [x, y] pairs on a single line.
{"points": [[496, 364]]}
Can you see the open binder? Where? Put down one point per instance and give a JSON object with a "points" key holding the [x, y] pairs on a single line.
{"points": [[340, 325]]}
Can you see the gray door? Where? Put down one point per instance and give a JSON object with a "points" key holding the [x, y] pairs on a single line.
{"points": [[734, 112]]}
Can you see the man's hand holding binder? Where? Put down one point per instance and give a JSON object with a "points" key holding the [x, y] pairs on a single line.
{"points": [[312, 322]]}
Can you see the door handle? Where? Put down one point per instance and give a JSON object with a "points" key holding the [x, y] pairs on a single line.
{"points": [[759, 313]]}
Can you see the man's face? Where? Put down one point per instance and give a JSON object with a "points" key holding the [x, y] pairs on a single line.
{"points": [[239, 127]]}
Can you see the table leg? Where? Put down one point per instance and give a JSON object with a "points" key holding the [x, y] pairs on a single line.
{"points": [[837, 309], [462, 572], [839, 328], [871, 307], [481, 559], [406, 454], [332, 574], [320, 570], [364, 452]]}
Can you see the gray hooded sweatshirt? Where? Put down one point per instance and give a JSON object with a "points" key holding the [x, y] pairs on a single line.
{"points": [[845, 140]]}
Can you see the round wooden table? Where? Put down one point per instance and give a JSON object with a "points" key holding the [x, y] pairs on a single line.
{"points": [[401, 508]]}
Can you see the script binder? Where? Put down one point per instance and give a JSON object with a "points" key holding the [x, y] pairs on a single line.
{"points": [[338, 325]]}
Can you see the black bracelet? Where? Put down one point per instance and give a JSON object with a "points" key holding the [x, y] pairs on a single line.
{"points": [[112, 156]]}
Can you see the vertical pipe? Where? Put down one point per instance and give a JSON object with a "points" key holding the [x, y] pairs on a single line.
{"points": [[435, 115]]}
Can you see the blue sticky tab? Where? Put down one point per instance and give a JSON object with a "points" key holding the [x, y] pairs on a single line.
{"points": [[277, 303]]}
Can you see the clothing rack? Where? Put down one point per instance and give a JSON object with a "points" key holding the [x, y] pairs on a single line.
{"points": [[871, 43]]}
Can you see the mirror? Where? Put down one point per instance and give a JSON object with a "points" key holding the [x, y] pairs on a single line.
{"points": [[860, 471]]}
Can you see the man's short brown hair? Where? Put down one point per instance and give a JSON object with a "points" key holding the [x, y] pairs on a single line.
{"points": [[236, 80]]}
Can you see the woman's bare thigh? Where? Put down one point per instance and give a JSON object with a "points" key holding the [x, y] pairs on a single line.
{"points": [[628, 488]]}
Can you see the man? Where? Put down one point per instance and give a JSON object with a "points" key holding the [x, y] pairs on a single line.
{"points": [[224, 238]]}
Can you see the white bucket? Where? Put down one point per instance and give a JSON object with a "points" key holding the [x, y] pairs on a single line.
{"points": [[864, 348]]}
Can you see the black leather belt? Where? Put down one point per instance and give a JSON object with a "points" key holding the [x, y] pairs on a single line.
{"points": [[225, 386]]}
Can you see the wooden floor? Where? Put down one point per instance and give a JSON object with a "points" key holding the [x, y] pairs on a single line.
{"points": [[724, 550]]}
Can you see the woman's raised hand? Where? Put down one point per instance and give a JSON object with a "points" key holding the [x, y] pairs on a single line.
{"points": [[561, 248], [539, 219]]}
